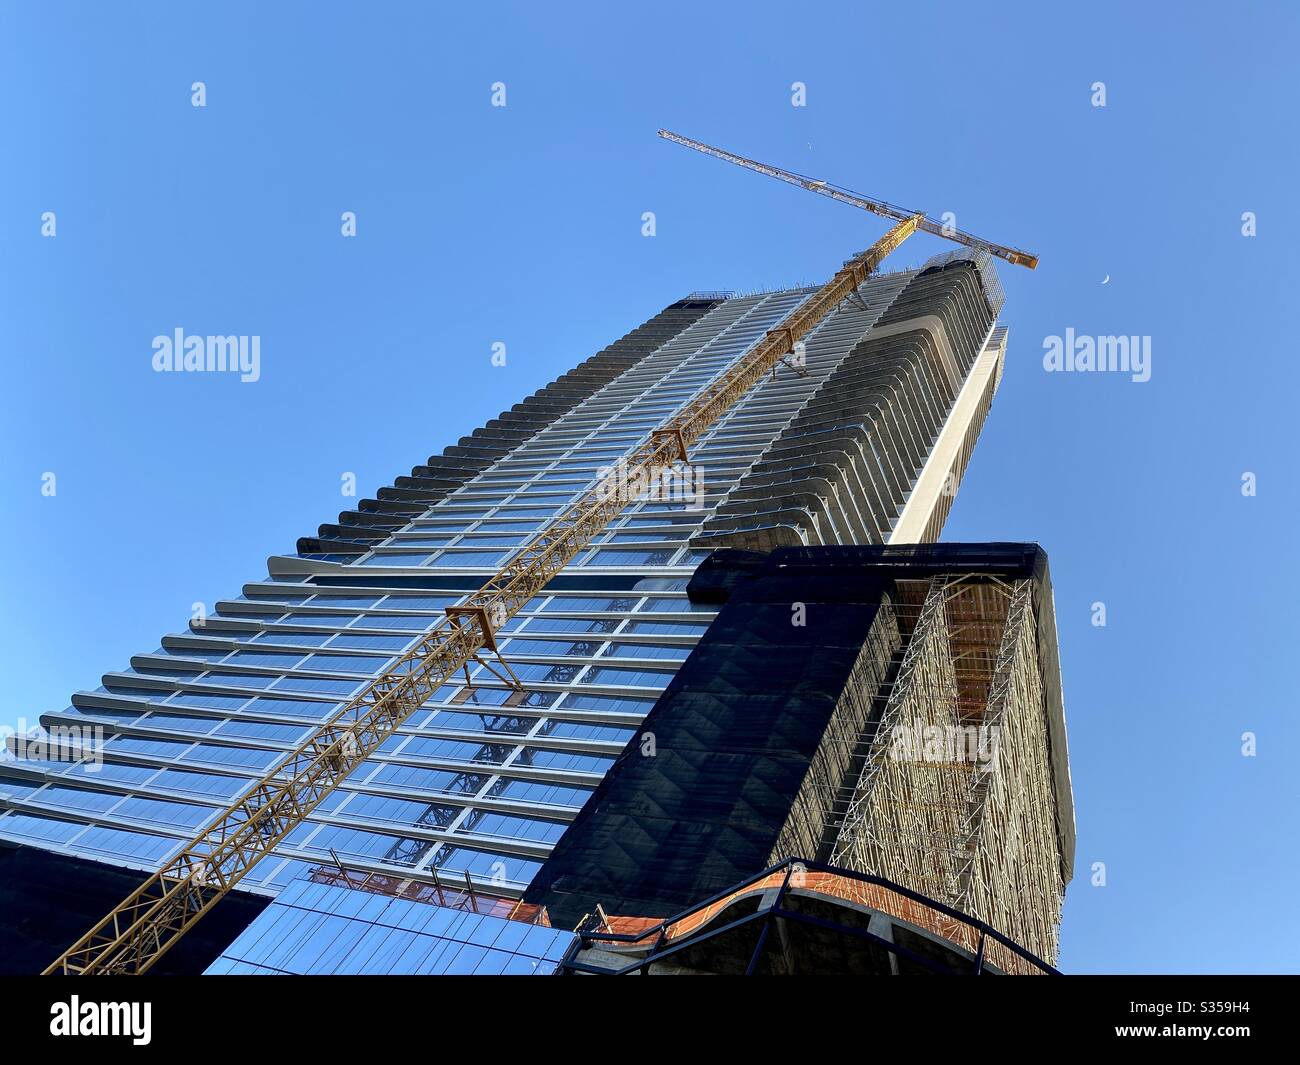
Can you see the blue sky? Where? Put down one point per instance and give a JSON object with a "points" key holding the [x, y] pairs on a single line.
{"points": [[523, 225]]}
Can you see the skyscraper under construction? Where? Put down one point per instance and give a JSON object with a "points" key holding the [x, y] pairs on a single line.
{"points": [[618, 759]]}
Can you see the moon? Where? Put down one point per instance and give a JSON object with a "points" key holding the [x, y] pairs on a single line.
{"points": [[1106, 280]]}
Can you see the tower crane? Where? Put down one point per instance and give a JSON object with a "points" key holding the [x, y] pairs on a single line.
{"points": [[880, 207], [147, 923]]}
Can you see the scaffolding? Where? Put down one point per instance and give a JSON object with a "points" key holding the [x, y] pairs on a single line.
{"points": [[955, 799]]}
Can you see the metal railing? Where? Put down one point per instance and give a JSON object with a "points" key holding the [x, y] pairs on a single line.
{"points": [[673, 936]]}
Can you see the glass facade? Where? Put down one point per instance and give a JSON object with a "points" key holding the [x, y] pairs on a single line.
{"points": [[483, 779], [320, 929]]}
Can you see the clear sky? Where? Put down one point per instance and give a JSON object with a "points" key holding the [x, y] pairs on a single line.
{"points": [[522, 225]]}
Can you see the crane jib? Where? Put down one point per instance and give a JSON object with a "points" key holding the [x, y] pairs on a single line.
{"points": [[879, 207]]}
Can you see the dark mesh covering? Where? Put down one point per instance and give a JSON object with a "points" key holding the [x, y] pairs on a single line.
{"points": [[750, 714]]}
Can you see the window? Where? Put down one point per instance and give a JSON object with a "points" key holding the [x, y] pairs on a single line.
{"points": [[179, 723], [349, 601], [469, 558], [668, 628], [675, 605], [506, 526], [572, 604], [641, 537], [240, 680], [162, 673], [541, 793], [646, 650], [346, 663], [120, 843], [292, 708], [543, 496], [612, 557], [218, 702], [46, 828], [452, 750], [486, 865], [153, 748], [609, 704], [191, 652], [498, 723], [379, 643], [413, 622], [441, 781], [692, 558], [262, 730], [180, 814], [273, 659], [318, 684], [580, 730], [336, 621], [634, 677], [306, 639], [78, 798], [473, 696], [575, 625], [194, 783], [240, 756], [402, 559], [572, 761], [396, 850], [419, 602], [510, 826], [110, 714], [123, 774], [520, 646], [268, 873], [402, 811]]}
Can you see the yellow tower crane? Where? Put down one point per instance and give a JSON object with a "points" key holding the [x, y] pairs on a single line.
{"points": [[149, 921], [880, 207]]}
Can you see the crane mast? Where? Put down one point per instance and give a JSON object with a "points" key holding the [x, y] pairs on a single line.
{"points": [[147, 923]]}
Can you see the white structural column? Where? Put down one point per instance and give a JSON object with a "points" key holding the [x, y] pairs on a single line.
{"points": [[934, 483]]}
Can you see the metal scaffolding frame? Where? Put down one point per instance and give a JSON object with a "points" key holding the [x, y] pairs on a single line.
{"points": [[956, 799]]}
